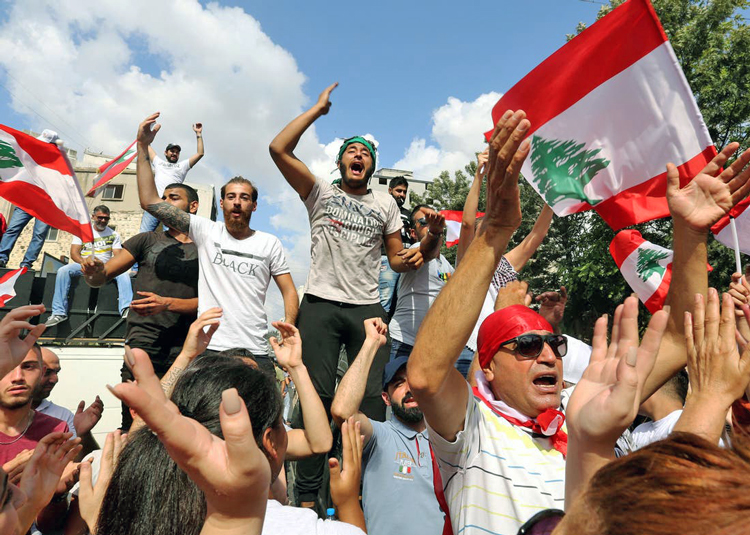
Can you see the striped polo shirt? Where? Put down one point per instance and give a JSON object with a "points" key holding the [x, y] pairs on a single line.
{"points": [[497, 475]]}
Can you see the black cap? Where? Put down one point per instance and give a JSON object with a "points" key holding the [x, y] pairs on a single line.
{"points": [[174, 146], [392, 368]]}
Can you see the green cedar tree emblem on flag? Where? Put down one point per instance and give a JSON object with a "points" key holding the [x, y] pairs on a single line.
{"points": [[648, 263], [562, 169], [8, 156]]}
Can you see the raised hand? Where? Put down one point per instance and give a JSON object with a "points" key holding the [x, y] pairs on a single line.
{"points": [[711, 194], [345, 478], [606, 399], [507, 152], [41, 478], [289, 350], [148, 128], [233, 473], [435, 221], [482, 159], [91, 496], [552, 306], [12, 348], [375, 330], [198, 128], [324, 100], [514, 293], [718, 372], [85, 420], [198, 338]]}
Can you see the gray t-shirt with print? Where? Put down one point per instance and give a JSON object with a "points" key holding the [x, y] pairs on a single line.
{"points": [[347, 232]]}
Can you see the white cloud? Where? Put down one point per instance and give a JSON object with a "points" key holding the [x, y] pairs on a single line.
{"points": [[457, 132], [100, 67]]}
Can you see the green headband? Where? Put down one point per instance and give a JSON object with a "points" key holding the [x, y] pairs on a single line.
{"points": [[357, 139]]}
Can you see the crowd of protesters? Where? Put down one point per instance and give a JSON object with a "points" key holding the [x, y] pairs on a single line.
{"points": [[463, 409]]}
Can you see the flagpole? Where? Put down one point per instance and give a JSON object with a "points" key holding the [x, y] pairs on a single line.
{"points": [[736, 242]]}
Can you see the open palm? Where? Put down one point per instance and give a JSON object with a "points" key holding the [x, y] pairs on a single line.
{"points": [[710, 194]]}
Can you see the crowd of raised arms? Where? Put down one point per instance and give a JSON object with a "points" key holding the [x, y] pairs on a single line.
{"points": [[463, 409]]}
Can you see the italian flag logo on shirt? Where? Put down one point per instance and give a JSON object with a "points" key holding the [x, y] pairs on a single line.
{"points": [[404, 469], [608, 110]]}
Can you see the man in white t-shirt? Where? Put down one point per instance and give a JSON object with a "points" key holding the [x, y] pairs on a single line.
{"points": [[106, 244], [236, 262], [170, 171]]}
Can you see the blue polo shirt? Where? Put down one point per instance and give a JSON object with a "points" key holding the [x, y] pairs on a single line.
{"points": [[397, 491]]}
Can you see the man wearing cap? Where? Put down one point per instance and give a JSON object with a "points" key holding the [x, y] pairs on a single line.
{"points": [[501, 447], [171, 171], [397, 467], [348, 224]]}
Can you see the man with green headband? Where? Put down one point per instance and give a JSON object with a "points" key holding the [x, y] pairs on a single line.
{"points": [[348, 224]]}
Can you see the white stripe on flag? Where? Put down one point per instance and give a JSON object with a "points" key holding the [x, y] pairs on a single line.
{"points": [[644, 289], [641, 118]]}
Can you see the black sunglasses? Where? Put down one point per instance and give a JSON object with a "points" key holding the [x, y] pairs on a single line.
{"points": [[530, 346], [422, 221], [542, 523]]}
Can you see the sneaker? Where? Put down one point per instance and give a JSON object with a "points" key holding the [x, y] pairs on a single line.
{"points": [[2, 263], [124, 313], [54, 319]]}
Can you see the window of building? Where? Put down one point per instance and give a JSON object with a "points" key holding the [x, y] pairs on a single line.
{"points": [[383, 181], [53, 234], [113, 192]]}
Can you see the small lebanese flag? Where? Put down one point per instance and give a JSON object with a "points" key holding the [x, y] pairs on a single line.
{"points": [[647, 267], [8, 285], [453, 225], [608, 110], [37, 177], [723, 232], [112, 168]]}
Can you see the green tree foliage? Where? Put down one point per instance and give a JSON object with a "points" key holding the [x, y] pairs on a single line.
{"points": [[712, 42]]}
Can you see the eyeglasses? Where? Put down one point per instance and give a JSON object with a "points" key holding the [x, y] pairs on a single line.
{"points": [[530, 346], [422, 221], [542, 523]]}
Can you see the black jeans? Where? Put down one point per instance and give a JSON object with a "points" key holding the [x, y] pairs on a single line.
{"points": [[324, 326]]}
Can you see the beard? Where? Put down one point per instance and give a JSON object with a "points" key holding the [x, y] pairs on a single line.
{"points": [[411, 415], [355, 183], [399, 201], [18, 402], [237, 225]]}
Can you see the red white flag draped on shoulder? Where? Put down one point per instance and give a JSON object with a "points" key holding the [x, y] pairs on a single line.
{"points": [[647, 267], [453, 225], [608, 110], [37, 177], [112, 168], [8, 285], [723, 232]]}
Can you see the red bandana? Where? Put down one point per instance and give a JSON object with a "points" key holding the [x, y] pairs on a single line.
{"points": [[504, 324]]}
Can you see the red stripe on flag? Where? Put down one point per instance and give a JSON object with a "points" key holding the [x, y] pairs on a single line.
{"points": [[12, 274], [606, 48], [38, 203], [623, 245], [39, 151], [113, 160], [648, 200], [734, 212]]}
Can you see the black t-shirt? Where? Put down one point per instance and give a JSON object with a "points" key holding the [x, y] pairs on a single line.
{"points": [[167, 268], [405, 234]]}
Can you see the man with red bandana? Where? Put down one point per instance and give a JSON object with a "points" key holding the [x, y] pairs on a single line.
{"points": [[501, 448], [348, 224]]}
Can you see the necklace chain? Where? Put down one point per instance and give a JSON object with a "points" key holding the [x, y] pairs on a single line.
{"points": [[19, 437]]}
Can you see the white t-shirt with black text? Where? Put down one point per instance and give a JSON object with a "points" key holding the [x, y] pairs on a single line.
{"points": [[234, 275], [166, 173], [105, 242]]}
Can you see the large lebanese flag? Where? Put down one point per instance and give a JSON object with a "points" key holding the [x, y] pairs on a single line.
{"points": [[453, 225], [646, 267], [608, 111], [112, 168], [723, 232], [8, 285], [37, 177]]}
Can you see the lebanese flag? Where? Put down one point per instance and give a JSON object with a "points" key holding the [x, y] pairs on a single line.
{"points": [[8, 285], [112, 168], [453, 225], [608, 111], [723, 232], [37, 177], [647, 267]]}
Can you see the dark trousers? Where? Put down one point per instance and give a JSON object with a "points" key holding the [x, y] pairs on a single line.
{"points": [[324, 326]]}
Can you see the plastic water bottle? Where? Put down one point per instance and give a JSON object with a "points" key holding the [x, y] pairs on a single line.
{"points": [[330, 513]]}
